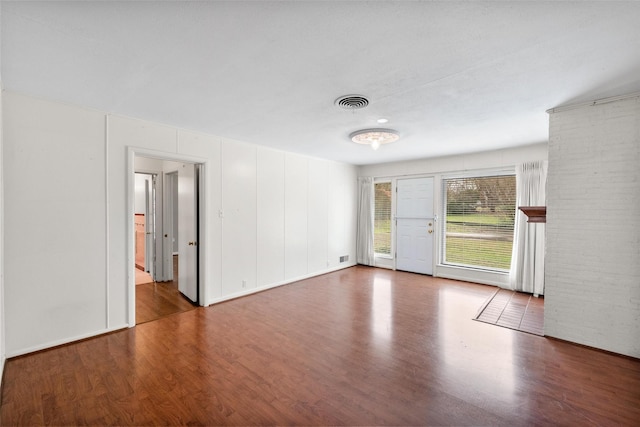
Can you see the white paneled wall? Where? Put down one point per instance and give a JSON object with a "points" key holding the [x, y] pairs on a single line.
{"points": [[2, 321], [592, 280], [318, 221], [55, 241], [271, 217], [239, 201], [296, 175], [270, 214], [342, 213]]}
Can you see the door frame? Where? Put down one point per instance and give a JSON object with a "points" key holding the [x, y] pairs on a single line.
{"points": [[203, 274]]}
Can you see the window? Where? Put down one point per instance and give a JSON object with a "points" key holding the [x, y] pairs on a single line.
{"points": [[479, 215], [382, 219]]}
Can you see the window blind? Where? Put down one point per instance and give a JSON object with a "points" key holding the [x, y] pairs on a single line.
{"points": [[382, 218], [479, 216]]}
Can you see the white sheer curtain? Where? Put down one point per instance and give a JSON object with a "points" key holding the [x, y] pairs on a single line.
{"points": [[527, 258], [364, 232]]}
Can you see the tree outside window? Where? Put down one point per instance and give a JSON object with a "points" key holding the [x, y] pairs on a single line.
{"points": [[480, 214]]}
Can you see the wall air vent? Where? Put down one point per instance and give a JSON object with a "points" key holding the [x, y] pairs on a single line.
{"points": [[352, 102]]}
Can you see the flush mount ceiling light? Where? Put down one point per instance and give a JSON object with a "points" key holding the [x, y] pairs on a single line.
{"points": [[374, 137]]}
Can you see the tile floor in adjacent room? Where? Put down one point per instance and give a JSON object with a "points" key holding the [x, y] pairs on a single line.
{"points": [[142, 277]]}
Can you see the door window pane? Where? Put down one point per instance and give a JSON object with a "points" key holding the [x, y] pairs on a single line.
{"points": [[382, 218]]}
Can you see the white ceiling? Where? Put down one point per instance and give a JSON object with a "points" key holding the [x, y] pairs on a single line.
{"points": [[451, 77]]}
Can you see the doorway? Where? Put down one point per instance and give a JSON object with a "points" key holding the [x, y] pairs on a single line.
{"points": [[415, 225], [171, 191]]}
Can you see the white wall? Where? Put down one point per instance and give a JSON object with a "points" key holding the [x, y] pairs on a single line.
{"points": [[342, 205], [317, 216], [442, 165], [55, 217], [296, 214], [2, 322], [68, 258], [437, 167], [592, 280], [270, 218], [239, 242]]}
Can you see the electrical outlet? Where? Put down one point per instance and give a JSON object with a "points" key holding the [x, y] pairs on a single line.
{"points": [[244, 283]]}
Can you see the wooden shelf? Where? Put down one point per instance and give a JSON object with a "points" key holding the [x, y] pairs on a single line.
{"points": [[535, 213]]}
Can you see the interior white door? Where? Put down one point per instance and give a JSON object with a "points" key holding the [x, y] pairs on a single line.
{"points": [[415, 225], [188, 232], [149, 225], [170, 217]]}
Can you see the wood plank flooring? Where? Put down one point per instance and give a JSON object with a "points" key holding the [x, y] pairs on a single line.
{"points": [[155, 300], [360, 346]]}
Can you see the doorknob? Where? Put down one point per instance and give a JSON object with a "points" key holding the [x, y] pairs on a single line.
{"points": [[192, 243], [430, 231]]}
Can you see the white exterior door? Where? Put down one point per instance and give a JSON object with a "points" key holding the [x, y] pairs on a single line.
{"points": [[415, 225], [188, 232]]}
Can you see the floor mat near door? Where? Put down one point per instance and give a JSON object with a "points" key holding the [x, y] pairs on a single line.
{"points": [[514, 310]]}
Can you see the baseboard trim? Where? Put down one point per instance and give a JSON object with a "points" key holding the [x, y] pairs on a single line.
{"points": [[63, 342], [601, 350], [277, 284], [490, 278]]}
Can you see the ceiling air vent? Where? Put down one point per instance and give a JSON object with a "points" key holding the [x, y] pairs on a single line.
{"points": [[352, 102]]}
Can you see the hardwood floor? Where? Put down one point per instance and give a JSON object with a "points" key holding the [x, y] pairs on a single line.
{"points": [[361, 346], [159, 299]]}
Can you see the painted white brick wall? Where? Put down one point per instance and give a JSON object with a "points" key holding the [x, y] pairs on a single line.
{"points": [[592, 280]]}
